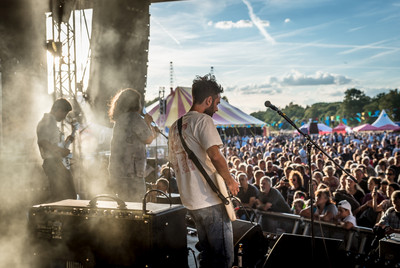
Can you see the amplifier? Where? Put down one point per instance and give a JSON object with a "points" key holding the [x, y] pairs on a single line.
{"points": [[101, 233], [389, 247]]}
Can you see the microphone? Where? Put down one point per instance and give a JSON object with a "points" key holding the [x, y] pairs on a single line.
{"points": [[268, 104]]}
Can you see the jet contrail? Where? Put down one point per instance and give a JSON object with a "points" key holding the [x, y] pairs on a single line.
{"points": [[258, 23]]}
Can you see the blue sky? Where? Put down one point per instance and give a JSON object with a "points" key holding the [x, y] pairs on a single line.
{"points": [[301, 51]]}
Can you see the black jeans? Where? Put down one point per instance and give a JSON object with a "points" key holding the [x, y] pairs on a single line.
{"points": [[60, 180]]}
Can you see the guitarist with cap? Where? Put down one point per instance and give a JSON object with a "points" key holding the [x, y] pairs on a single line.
{"points": [[49, 139], [196, 129]]}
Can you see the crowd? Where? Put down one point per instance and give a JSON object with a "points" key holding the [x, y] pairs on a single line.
{"points": [[274, 176]]}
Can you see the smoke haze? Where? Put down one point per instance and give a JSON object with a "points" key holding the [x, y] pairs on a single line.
{"points": [[119, 61]]}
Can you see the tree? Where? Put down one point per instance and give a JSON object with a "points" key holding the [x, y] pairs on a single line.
{"points": [[354, 102], [321, 110], [294, 111], [391, 103]]}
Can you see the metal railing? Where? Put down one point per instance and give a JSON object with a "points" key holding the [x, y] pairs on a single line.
{"points": [[354, 239]]}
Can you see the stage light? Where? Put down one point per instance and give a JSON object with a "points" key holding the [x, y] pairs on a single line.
{"points": [[54, 48]]}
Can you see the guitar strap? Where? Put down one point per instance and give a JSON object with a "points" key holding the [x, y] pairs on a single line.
{"points": [[197, 163]]}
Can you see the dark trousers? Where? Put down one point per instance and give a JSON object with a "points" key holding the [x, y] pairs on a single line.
{"points": [[215, 233], [60, 180]]}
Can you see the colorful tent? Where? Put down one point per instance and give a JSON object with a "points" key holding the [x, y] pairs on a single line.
{"points": [[179, 101], [389, 127], [341, 128], [384, 122], [365, 127]]}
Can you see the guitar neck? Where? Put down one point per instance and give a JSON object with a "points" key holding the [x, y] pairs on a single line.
{"points": [[68, 143]]}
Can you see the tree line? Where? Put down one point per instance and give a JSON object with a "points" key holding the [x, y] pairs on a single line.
{"points": [[355, 109]]}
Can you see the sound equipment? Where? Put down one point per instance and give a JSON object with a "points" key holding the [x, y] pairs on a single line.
{"points": [[254, 244], [108, 233], [295, 251], [175, 199], [389, 247], [313, 128]]}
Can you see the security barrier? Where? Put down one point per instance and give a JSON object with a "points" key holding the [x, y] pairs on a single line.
{"points": [[356, 239]]}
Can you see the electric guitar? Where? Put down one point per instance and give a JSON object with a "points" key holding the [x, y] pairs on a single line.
{"points": [[224, 191], [67, 160]]}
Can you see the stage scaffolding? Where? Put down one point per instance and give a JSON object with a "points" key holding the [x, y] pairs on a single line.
{"points": [[69, 73]]}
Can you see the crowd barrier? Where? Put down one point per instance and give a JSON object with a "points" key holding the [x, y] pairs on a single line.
{"points": [[356, 239]]}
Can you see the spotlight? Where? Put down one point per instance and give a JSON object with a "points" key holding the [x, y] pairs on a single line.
{"points": [[54, 48]]}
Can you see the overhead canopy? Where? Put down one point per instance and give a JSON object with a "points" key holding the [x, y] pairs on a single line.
{"points": [[389, 127], [341, 128], [384, 122], [179, 101], [365, 127]]}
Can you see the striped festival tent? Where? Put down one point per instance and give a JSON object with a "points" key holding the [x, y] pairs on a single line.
{"points": [[179, 101]]}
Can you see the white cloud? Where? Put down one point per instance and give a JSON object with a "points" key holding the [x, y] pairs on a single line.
{"points": [[264, 23], [244, 24], [224, 24], [239, 24], [296, 78], [287, 20], [231, 24], [275, 85]]}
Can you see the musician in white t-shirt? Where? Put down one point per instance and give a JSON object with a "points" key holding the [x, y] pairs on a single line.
{"points": [[212, 222]]}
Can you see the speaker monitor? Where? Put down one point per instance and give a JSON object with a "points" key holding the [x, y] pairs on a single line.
{"points": [[295, 251], [255, 245], [313, 128]]}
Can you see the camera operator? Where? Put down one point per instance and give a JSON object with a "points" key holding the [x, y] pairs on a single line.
{"points": [[283, 184]]}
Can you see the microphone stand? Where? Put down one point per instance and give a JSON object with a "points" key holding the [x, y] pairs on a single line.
{"points": [[310, 143], [160, 132], [169, 163]]}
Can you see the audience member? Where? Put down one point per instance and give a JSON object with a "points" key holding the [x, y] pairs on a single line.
{"points": [[324, 208], [270, 199], [390, 221], [344, 216], [298, 205], [247, 195]]}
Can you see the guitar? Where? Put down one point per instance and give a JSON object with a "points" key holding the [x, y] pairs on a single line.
{"points": [[224, 191], [67, 160]]}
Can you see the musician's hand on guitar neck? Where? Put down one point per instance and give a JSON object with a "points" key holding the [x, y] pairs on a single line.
{"points": [[148, 118], [233, 186], [64, 151], [70, 139]]}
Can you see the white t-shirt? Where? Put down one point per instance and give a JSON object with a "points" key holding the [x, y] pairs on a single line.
{"points": [[47, 130], [199, 133], [350, 218]]}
